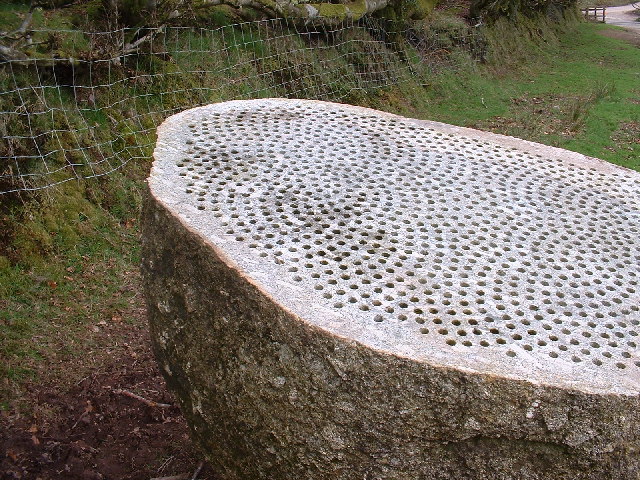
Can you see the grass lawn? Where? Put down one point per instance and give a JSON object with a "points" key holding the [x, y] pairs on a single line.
{"points": [[581, 93]]}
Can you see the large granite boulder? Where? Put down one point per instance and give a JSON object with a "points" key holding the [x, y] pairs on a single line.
{"points": [[340, 293]]}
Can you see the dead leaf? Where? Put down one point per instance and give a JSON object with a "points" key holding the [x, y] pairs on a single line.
{"points": [[53, 284], [35, 440], [33, 429], [89, 408]]}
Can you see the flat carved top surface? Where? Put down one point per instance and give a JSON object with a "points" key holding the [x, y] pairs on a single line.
{"points": [[445, 245]]}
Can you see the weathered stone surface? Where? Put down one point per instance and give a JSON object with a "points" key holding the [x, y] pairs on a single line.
{"points": [[340, 293]]}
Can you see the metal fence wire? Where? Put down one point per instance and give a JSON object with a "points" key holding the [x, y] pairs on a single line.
{"points": [[84, 116]]}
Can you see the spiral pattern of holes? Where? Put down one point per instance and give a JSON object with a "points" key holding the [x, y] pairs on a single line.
{"points": [[464, 242]]}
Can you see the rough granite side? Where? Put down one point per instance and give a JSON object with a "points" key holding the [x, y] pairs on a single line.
{"points": [[270, 396]]}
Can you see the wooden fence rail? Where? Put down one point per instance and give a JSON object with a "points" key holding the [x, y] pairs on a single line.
{"points": [[596, 14]]}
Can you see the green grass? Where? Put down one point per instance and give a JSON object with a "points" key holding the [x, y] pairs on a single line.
{"points": [[63, 43], [69, 267], [586, 99], [11, 15]]}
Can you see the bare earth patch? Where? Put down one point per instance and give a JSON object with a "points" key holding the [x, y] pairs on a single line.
{"points": [[544, 118], [91, 428], [626, 141], [625, 35]]}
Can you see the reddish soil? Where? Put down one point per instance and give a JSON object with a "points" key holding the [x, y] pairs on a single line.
{"points": [[90, 429]]}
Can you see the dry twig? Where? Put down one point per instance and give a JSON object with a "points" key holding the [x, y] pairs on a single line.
{"points": [[182, 476], [151, 403], [197, 472], [133, 47]]}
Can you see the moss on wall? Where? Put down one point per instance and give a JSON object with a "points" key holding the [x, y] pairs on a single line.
{"points": [[408, 10]]}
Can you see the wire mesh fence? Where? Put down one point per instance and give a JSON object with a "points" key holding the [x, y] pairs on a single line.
{"points": [[94, 110]]}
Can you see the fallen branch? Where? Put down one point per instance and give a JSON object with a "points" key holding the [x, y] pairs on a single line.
{"points": [[197, 472], [10, 54], [21, 31], [261, 6], [150, 403], [133, 47], [24, 26], [16, 57], [183, 476], [322, 12]]}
